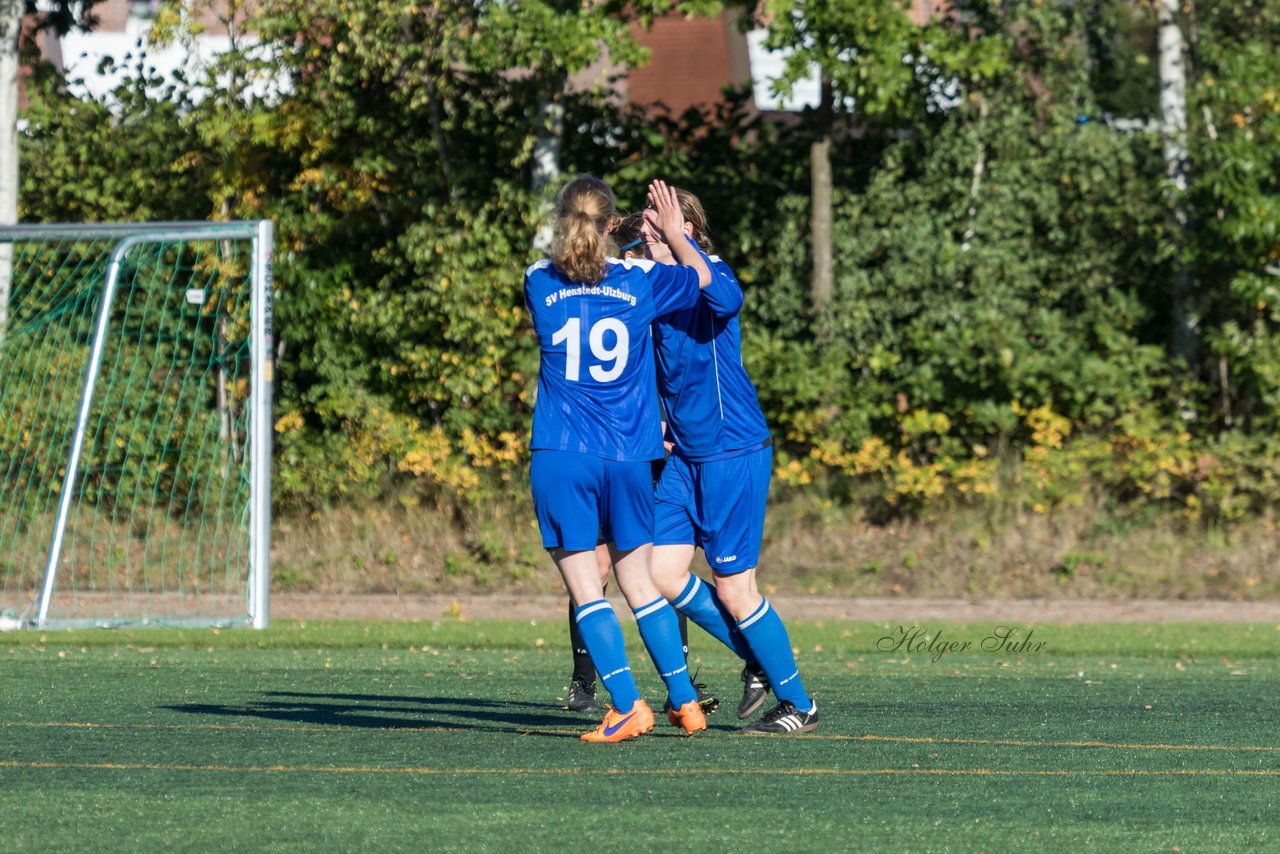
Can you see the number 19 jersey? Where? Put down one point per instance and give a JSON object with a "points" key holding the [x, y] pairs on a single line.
{"points": [[597, 389]]}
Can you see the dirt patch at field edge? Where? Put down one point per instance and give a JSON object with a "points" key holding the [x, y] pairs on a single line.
{"points": [[313, 606]]}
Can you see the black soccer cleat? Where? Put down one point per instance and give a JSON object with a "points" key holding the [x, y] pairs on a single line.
{"points": [[784, 719], [708, 701], [582, 696], [755, 687]]}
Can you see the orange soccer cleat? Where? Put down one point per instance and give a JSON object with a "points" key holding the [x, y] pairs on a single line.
{"points": [[617, 726], [689, 716]]}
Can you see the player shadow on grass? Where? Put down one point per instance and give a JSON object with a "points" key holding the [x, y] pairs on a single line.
{"points": [[473, 702], [372, 711], [574, 719]]}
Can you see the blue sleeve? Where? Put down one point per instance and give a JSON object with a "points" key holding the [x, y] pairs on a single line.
{"points": [[674, 288], [724, 295]]}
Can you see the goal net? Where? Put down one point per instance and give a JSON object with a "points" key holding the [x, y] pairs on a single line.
{"points": [[135, 424]]}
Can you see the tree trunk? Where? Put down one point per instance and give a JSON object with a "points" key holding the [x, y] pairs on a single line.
{"points": [[975, 184], [820, 216], [1173, 109], [10, 33], [546, 165], [820, 220]]}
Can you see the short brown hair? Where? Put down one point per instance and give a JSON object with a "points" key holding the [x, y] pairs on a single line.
{"points": [[694, 214], [626, 232]]}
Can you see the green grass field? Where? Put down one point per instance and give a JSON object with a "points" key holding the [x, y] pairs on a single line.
{"points": [[449, 735]]}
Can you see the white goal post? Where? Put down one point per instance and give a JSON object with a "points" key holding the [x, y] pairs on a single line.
{"points": [[136, 376]]}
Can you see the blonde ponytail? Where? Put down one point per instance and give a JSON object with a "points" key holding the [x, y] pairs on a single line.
{"points": [[583, 210]]}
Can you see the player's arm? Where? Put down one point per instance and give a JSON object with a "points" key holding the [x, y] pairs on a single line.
{"points": [[724, 295], [670, 222]]}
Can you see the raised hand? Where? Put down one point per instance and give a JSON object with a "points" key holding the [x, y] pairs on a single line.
{"points": [[666, 217], [666, 210]]}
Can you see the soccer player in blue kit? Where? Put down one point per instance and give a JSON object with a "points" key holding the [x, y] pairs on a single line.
{"points": [[596, 429], [713, 490], [627, 234]]}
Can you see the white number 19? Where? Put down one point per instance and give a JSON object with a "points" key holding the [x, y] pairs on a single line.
{"points": [[570, 333]]}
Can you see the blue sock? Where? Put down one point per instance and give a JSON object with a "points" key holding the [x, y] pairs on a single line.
{"points": [[769, 641], [698, 601], [660, 631], [602, 634]]}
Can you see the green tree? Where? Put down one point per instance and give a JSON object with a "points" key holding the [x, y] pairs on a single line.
{"points": [[1235, 202], [873, 63], [17, 46], [859, 53]]}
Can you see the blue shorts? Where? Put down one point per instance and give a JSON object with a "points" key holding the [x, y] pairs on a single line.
{"points": [[718, 505], [582, 500]]}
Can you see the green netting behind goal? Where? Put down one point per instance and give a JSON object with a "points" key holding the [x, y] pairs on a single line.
{"points": [[135, 381]]}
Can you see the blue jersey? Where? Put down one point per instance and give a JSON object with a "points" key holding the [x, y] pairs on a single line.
{"points": [[596, 388], [712, 408]]}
